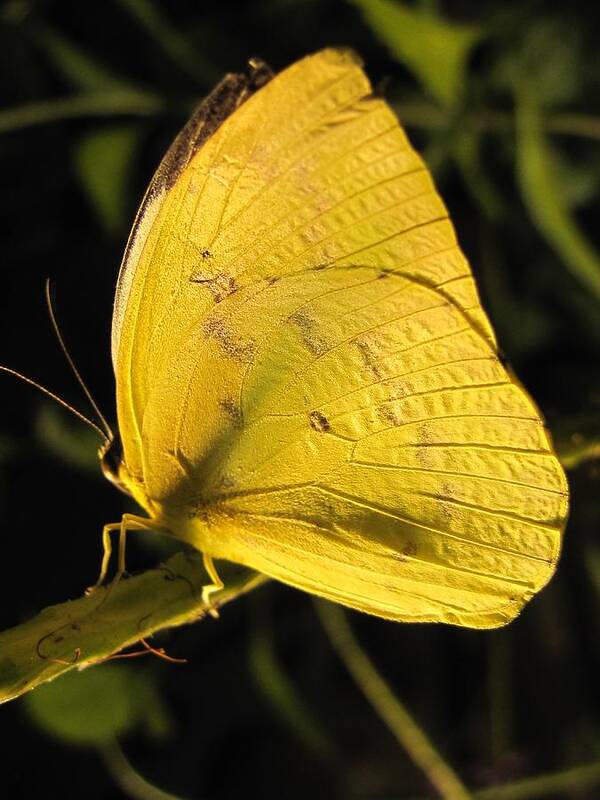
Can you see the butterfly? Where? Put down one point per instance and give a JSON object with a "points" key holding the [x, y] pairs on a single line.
{"points": [[306, 382]]}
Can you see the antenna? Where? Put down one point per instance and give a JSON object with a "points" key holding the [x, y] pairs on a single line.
{"points": [[54, 397], [107, 429]]}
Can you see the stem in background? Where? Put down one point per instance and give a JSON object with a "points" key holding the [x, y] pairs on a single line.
{"points": [[93, 104], [555, 784], [578, 453], [404, 727], [128, 778]]}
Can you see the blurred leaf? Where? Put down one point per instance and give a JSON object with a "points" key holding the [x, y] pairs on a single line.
{"points": [[154, 714], [578, 450], [544, 195], [72, 442], [579, 182], [104, 160], [89, 707], [78, 68], [175, 44], [547, 56], [466, 149], [435, 50], [93, 104], [281, 693]]}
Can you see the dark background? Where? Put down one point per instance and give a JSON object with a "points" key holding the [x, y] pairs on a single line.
{"points": [[92, 94]]}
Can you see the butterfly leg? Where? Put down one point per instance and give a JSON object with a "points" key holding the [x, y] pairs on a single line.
{"points": [[128, 522], [216, 585], [106, 553]]}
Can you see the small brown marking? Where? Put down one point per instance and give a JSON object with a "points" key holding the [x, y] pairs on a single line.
{"points": [[410, 549], [272, 279], [220, 286], [237, 349], [388, 415], [445, 509], [206, 254], [231, 408], [369, 358], [319, 422], [311, 338]]}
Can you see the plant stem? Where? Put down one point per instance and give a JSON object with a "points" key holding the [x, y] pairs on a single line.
{"points": [[555, 784], [128, 778], [400, 722], [92, 104]]}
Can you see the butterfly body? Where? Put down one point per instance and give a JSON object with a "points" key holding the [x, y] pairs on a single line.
{"points": [[306, 381]]}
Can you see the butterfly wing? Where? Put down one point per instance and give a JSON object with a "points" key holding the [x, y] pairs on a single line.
{"points": [[306, 381]]}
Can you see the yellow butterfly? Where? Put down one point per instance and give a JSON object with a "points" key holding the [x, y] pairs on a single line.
{"points": [[306, 381]]}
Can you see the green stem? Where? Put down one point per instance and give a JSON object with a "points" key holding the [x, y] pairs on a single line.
{"points": [[83, 632], [93, 104], [400, 722], [576, 454], [555, 784], [128, 778]]}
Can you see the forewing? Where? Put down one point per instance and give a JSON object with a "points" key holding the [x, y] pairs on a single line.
{"points": [[311, 171], [306, 380]]}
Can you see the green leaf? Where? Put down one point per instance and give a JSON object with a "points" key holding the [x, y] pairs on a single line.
{"points": [[88, 708], [70, 441], [77, 67], [103, 162], [149, 15], [435, 50], [547, 56], [544, 196], [466, 150], [282, 694]]}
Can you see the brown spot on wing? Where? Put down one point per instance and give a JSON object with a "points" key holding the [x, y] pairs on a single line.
{"points": [[388, 415], [233, 346], [232, 409], [312, 339], [369, 357], [220, 286], [319, 422]]}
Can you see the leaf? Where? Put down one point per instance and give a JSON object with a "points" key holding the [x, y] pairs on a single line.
{"points": [[435, 50], [282, 694], [103, 161], [89, 104], [544, 196], [547, 56], [466, 149], [77, 67], [82, 632], [87, 708], [74, 444], [173, 43]]}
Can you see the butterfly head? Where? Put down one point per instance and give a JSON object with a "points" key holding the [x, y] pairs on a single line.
{"points": [[112, 463]]}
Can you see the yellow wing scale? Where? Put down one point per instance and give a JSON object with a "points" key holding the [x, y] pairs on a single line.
{"points": [[306, 381]]}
